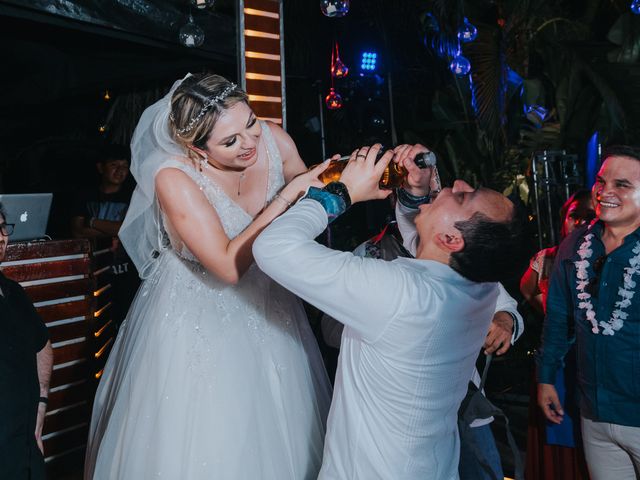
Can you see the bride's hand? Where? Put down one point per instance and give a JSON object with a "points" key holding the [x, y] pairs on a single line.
{"points": [[300, 183]]}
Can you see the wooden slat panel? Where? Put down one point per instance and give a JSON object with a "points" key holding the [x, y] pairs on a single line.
{"points": [[266, 5], [61, 311], [267, 109], [66, 441], [66, 465], [263, 45], [100, 322], [67, 418], [68, 396], [38, 271], [102, 280], [100, 261], [262, 24], [68, 331], [29, 250], [50, 291], [67, 353], [107, 344], [70, 374], [262, 87], [262, 65]]}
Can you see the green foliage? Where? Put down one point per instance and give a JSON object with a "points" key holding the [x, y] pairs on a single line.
{"points": [[556, 48]]}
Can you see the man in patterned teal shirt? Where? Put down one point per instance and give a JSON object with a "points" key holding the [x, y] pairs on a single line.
{"points": [[594, 293]]}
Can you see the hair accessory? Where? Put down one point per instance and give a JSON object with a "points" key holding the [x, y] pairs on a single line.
{"points": [[205, 108]]}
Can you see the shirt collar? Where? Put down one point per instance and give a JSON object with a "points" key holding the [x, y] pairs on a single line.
{"points": [[435, 269], [597, 228]]}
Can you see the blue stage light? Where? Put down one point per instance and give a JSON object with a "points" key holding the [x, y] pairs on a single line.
{"points": [[368, 61]]}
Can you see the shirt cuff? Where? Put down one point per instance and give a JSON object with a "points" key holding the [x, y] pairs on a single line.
{"points": [[516, 328], [333, 204], [546, 373]]}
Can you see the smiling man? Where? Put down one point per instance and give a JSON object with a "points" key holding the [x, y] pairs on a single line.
{"points": [[593, 291], [413, 327]]}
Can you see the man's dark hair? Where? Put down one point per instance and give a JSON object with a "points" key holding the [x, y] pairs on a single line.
{"points": [[492, 250], [621, 151], [3, 212], [114, 152]]}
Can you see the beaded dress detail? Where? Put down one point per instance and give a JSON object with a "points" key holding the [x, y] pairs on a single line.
{"points": [[208, 380]]}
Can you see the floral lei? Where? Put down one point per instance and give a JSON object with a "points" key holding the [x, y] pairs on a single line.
{"points": [[625, 293]]}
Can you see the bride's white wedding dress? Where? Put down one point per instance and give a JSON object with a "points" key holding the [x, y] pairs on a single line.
{"points": [[208, 380]]}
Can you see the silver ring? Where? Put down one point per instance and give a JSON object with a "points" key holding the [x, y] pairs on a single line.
{"points": [[361, 155]]}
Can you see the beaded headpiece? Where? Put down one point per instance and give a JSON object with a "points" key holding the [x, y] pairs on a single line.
{"points": [[209, 102]]}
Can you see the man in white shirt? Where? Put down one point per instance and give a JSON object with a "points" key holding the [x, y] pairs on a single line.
{"points": [[413, 327]]}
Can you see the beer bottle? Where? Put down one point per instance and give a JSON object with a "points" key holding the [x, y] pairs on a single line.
{"points": [[393, 176]]}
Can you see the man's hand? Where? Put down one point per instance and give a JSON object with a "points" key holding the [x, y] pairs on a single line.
{"points": [[550, 403], [362, 174], [498, 339], [419, 181], [42, 410]]}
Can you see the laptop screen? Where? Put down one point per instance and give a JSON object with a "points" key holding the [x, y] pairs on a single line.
{"points": [[29, 212]]}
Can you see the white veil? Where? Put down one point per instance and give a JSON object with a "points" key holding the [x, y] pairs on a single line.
{"points": [[152, 148]]}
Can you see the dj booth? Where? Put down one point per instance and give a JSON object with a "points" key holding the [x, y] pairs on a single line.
{"points": [[69, 284]]}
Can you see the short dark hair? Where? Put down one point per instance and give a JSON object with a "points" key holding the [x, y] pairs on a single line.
{"points": [[621, 151], [114, 152], [492, 250], [3, 212]]}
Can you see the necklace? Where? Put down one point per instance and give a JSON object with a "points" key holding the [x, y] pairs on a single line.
{"points": [[619, 315], [204, 165], [240, 178]]}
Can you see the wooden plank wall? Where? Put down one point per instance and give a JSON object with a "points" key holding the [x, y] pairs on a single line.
{"points": [[262, 57], [69, 285]]}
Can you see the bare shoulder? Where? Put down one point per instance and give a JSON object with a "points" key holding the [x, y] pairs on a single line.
{"points": [[291, 160], [174, 182], [282, 138]]}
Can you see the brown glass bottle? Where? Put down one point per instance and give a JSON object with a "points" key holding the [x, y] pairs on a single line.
{"points": [[393, 176]]}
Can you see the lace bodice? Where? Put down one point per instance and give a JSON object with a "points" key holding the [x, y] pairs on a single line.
{"points": [[233, 217]]}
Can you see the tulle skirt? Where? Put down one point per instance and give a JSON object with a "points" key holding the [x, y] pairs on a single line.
{"points": [[210, 381]]}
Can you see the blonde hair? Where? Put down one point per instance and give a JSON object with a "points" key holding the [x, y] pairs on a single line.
{"points": [[193, 100]]}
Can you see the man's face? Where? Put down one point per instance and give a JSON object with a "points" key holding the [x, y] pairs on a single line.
{"points": [[114, 172], [616, 193], [460, 203], [4, 239]]}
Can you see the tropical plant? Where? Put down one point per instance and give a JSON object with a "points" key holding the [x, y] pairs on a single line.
{"points": [[537, 81]]}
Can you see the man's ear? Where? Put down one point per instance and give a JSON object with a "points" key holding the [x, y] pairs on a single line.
{"points": [[451, 242], [100, 167]]}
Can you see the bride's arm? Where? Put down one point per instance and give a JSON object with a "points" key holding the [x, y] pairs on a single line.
{"points": [[199, 227]]}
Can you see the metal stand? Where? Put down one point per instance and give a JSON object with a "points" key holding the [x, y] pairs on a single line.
{"points": [[555, 176]]}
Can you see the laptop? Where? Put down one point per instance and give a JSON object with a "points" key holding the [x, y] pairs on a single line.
{"points": [[29, 212]]}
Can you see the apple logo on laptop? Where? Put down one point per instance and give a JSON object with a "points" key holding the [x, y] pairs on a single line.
{"points": [[23, 216]]}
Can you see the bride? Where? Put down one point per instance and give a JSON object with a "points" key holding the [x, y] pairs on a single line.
{"points": [[215, 374]]}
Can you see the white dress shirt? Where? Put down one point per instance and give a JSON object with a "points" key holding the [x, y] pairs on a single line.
{"points": [[505, 302], [413, 330]]}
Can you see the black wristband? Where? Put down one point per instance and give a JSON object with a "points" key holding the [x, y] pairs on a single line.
{"points": [[340, 189], [44, 400]]}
